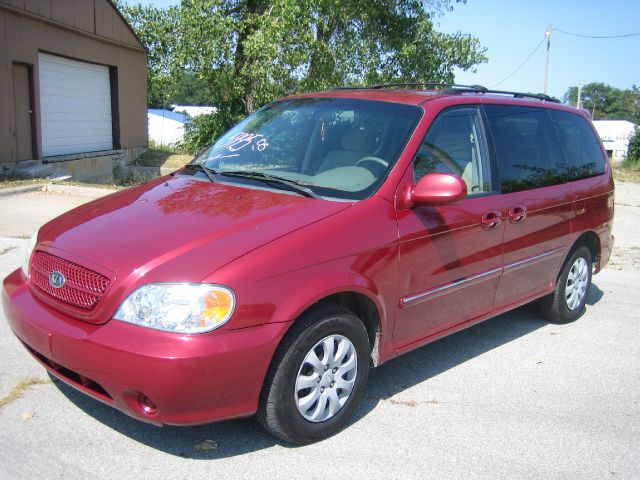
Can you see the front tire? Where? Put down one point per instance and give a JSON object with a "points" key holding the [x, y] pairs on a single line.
{"points": [[317, 377], [566, 303]]}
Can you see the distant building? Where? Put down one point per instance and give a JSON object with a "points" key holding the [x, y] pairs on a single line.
{"points": [[193, 111], [166, 127], [615, 135]]}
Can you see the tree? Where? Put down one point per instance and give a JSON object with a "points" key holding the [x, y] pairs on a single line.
{"points": [[156, 28], [607, 102], [633, 103], [240, 54], [189, 89], [253, 51], [633, 154]]}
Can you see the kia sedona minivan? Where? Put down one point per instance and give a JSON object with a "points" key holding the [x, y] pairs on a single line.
{"points": [[322, 236]]}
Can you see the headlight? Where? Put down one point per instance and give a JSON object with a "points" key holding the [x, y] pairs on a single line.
{"points": [[178, 307], [27, 254]]}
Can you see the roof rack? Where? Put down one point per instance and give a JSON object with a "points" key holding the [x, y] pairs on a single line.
{"points": [[414, 84], [540, 96], [475, 88], [454, 88]]}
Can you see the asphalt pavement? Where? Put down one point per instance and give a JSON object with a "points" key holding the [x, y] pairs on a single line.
{"points": [[514, 397]]}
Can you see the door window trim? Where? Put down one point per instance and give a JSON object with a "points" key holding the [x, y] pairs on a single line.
{"points": [[486, 144]]}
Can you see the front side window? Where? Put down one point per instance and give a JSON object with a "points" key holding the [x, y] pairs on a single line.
{"points": [[336, 147], [527, 148], [582, 152], [455, 144]]}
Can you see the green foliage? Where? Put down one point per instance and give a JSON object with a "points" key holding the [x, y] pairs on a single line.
{"points": [[156, 28], [633, 154], [204, 129], [240, 54], [607, 102], [179, 149]]}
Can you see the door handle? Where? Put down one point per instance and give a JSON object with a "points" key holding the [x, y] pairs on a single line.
{"points": [[517, 214], [491, 220]]}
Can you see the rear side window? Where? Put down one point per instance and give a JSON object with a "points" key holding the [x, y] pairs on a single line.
{"points": [[582, 152], [527, 148]]}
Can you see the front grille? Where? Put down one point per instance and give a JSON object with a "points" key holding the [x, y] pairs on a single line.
{"points": [[83, 288]]}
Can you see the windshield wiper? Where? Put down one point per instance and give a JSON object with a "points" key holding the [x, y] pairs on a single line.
{"points": [[298, 187], [209, 172]]}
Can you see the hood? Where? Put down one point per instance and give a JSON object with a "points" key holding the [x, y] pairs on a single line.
{"points": [[176, 228]]}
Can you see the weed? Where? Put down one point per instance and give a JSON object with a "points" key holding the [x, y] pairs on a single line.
{"points": [[17, 391]]}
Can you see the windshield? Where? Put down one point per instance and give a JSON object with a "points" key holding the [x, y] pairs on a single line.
{"points": [[336, 147]]}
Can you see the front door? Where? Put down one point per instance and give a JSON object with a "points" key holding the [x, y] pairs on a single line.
{"points": [[23, 102], [451, 255]]}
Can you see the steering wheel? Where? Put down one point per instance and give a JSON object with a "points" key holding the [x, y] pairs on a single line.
{"points": [[376, 160], [444, 157]]}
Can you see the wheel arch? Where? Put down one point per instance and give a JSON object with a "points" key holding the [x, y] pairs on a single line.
{"points": [[361, 304], [592, 241], [364, 308]]}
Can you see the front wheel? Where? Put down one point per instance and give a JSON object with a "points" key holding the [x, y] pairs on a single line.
{"points": [[567, 302], [317, 377]]}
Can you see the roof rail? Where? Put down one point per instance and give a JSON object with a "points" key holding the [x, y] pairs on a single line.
{"points": [[454, 88], [540, 96], [478, 88], [415, 84]]}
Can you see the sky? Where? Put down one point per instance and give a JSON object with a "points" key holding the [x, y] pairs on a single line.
{"points": [[511, 30]]}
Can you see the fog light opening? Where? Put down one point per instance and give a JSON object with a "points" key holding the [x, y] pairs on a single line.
{"points": [[146, 405]]}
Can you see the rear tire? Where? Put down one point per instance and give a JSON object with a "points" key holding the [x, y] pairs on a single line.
{"points": [[566, 303], [317, 376]]}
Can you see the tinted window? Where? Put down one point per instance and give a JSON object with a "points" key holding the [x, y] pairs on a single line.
{"points": [[527, 148], [455, 143], [582, 152]]}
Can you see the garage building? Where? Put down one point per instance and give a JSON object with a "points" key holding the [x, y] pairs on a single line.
{"points": [[72, 88]]}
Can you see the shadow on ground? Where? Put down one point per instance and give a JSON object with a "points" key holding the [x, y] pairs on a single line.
{"points": [[237, 437], [595, 294]]}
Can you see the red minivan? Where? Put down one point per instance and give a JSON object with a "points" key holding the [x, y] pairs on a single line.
{"points": [[323, 235]]}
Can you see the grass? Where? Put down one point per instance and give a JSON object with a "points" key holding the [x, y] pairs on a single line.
{"points": [[627, 172], [17, 391], [156, 157]]}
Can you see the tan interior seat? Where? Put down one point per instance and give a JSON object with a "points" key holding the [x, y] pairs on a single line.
{"points": [[355, 144], [467, 176]]}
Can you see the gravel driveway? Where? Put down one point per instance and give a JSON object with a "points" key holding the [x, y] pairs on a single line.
{"points": [[514, 397]]}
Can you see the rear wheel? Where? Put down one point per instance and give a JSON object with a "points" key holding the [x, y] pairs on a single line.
{"points": [[567, 302], [317, 377]]}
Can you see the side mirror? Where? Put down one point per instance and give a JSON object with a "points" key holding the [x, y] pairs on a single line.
{"points": [[438, 189]]}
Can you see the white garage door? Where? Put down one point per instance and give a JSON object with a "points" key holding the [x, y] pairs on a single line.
{"points": [[75, 106]]}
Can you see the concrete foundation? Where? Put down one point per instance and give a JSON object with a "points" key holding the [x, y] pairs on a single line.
{"points": [[99, 167]]}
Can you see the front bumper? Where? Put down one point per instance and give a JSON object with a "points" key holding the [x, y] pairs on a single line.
{"points": [[192, 379]]}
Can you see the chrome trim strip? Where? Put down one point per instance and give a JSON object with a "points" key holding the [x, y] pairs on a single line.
{"points": [[555, 251], [413, 298], [419, 296]]}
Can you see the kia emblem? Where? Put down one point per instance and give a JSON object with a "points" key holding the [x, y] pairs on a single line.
{"points": [[56, 279]]}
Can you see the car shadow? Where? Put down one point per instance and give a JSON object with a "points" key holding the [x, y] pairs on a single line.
{"points": [[595, 294], [236, 437], [435, 358]]}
